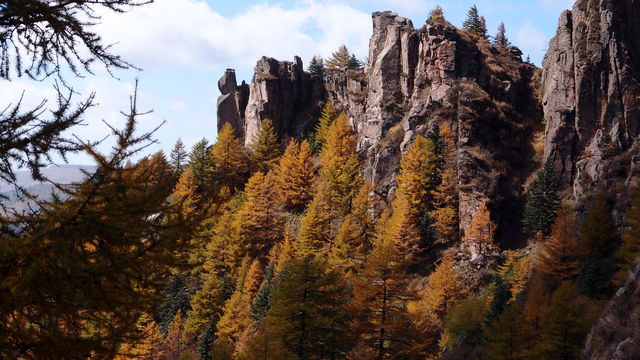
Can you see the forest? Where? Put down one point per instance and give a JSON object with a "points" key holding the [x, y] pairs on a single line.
{"points": [[281, 249]]}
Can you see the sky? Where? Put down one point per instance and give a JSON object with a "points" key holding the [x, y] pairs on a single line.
{"points": [[184, 46]]}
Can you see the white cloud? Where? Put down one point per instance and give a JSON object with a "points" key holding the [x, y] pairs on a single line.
{"points": [[191, 33], [530, 37]]}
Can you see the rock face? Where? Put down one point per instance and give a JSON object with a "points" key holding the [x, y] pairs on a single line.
{"points": [[616, 333], [421, 79], [280, 91], [416, 81], [592, 96], [233, 102]]}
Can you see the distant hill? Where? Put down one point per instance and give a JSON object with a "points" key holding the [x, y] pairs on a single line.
{"points": [[61, 174]]}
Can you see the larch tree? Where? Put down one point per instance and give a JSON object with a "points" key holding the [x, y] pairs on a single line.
{"points": [[328, 115], [307, 310], [435, 14], [295, 175], [561, 252], [599, 238], [501, 38], [235, 318], [508, 339], [630, 249], [148, 344], [381, 292], [340, 164], [480, 234], [264, 150], [564, 325], [174, 344], [229, 161], [417, 175], [598, 232], [206, 304], [315, 232], [110, 221], [542, 203], [356, 234], [445, 213], [338, 62], [261, 222]]}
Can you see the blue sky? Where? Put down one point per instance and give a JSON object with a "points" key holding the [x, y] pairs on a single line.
{"points": [[184, 46]]}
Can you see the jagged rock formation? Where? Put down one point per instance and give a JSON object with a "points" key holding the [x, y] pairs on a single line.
{"points": [[233, 102], [592, 96], [417, 80], [280, 91], [616, 333]]}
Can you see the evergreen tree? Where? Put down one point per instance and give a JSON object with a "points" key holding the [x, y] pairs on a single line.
{"points": [[260, 304], [177, 299], [338, 62], [417, 177], [265, 148], [316, 66], [354, 63], [501, 38], [295, 175], [595, 275], [542, 203], [208, 337], [199, 162], [307, 311], [475, 24], [630, 249], [178, 158]]}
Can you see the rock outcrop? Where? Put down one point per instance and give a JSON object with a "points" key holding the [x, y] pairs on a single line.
{"points": [[420, 79], [232, 102], [416, 81], [280, 90], [592, 96]]}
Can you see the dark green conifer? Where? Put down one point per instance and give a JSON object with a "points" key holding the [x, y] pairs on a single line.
{"points": [[205, 343], [260, 304], [198, 162], [475, 24], [176, 298], [316, 66], [178, 158], [542, 203]]}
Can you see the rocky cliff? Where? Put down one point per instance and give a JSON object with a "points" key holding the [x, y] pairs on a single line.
{"points": [[592, 97], [417, 80]]}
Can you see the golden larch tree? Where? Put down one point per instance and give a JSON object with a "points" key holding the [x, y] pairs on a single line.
{"points": [[561, 253], [481, 232], [264, 150], [229, 160], [417, 176], [295, 175]]}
